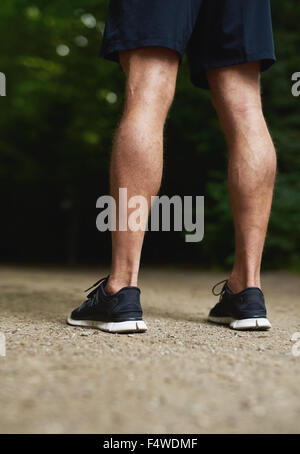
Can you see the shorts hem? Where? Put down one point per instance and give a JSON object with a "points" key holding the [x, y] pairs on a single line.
{"points": [[110, 50], [199, 78]]}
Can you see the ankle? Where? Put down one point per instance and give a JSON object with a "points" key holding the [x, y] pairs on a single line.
{"points": [[237, 283], [114, 284]]}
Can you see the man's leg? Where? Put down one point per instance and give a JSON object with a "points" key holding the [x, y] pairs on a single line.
{"points": [[236, 96], [136, 165], [137, 155]]}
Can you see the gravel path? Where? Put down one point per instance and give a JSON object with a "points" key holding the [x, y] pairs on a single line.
{"points": [[183, 376]]}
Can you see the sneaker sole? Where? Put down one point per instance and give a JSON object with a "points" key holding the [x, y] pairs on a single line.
{"points": [[132, 326], [255, 324]]}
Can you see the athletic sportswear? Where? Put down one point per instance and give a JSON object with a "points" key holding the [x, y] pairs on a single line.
{"points": [[245, 310], [214, 33], [117, 313]]}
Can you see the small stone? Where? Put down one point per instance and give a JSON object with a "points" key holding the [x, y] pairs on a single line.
{"points": [[84, 333], [261, 348]]}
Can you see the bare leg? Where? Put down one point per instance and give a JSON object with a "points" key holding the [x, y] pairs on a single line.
{"points": [[252, 165], [137, 156]]}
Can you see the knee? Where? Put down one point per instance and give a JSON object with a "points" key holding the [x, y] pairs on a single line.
{"points": [[150, 77], [235, 90], [238, 105], [154, 91]]}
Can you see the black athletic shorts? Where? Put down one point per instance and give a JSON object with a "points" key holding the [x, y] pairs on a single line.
{"points": [[214, 33]]}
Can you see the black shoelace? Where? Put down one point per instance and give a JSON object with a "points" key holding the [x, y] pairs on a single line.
{"points": [[222, 290], [97, 283]]}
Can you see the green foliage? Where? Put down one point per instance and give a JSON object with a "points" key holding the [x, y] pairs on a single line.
{"points": [[56, 125]]}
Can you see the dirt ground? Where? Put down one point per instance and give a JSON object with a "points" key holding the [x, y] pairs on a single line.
{"points": [[183, 376]]}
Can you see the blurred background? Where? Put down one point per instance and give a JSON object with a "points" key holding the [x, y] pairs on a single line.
{"points": [[185, 375], [56, 125]]}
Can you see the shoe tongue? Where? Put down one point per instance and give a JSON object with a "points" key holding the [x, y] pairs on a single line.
{"points": [[227, 289], [95, 290]]}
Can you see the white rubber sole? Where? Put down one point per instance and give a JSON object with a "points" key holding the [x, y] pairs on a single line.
{"points": [[259, 324], [132, 326]]}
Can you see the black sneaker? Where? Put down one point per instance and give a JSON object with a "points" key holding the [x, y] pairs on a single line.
{"points": [[118, 313], [245, 310]]}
